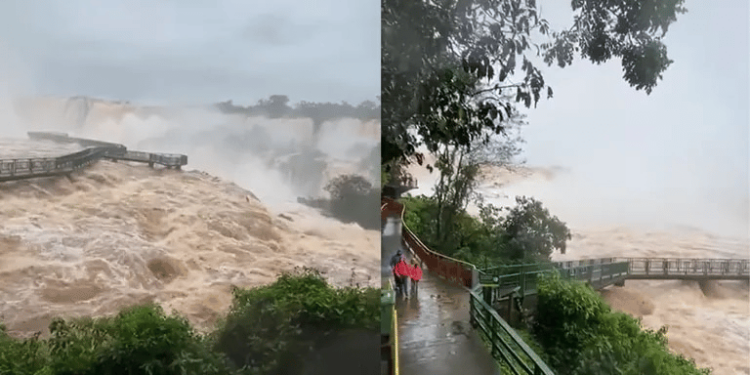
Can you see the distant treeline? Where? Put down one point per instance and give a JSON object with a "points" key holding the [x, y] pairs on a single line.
{"points": [[277, 106]]}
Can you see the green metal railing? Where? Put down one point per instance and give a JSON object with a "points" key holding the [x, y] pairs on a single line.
{"points": [[505, 282], [506, 345], [499, 280], [389, 329], [680, 268]]}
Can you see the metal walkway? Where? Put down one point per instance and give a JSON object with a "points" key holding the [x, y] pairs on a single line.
{"points": [[435, 333], [26, 168]]}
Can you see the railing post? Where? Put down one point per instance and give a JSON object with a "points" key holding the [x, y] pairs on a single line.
{"points": [[510, 307], [487, 294]]}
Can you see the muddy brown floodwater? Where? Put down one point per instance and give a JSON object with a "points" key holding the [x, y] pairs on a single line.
{"points": [[117, 234]]}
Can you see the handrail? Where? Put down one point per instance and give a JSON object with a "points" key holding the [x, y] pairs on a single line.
{"points": [[431, 252], [17, 169], [687, 268], [454, 270], [507, 348], [25, 168], [389, 329], [395, 351]]}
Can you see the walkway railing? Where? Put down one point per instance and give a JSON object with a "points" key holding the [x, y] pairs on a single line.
{"points": [[505, 343], [25, 168], [691, 269], [453, 270], [389, 330]]}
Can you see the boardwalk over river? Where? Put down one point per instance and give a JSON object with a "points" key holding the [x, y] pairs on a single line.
{"points": [[26, 168]]}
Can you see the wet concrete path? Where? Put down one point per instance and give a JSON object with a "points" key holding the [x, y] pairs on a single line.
{"points": [[435, 336]]}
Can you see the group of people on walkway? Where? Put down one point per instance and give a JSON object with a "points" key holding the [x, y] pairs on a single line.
{"points": [[403, 273]]}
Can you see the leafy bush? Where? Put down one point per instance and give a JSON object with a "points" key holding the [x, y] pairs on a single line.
{"points": [[266, 331], [140, 339], [272, 328], [22, 357], [583, 336]]}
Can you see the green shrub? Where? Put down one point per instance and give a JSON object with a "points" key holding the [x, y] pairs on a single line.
{"points": [[268, 331], [583, 336], [140, 340], [22, 357], [277, 325]]}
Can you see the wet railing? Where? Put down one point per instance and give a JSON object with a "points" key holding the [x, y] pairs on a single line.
{"points": [[25, 168], [18, 169], [389, 331], [697, 269], [389, 207], [403, 179], [453, 270], [153, 158], [505, 344]]}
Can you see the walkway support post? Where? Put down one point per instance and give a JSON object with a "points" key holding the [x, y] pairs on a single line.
{"points": [[388, 330]]}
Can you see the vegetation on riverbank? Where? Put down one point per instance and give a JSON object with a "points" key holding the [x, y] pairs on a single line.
{"points": [[271, 329], [582, 335]]}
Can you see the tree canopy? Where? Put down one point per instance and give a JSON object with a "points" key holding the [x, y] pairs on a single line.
{"points": [[277, 106], [453, 70]]}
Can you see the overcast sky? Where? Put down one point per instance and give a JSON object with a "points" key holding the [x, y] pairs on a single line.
{"points": [[679, 154], [192, 50]]}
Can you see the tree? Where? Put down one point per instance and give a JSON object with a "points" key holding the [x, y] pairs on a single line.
{"points": [[531, 233], [461, 168], [276, 106], [353, 199], [436, 53]]}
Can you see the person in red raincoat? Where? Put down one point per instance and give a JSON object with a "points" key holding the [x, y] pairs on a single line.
{"points": [[415, 275], [401, 272]]}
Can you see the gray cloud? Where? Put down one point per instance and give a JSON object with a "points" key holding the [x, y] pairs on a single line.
{"points": [[276, 29], [194, 50]]}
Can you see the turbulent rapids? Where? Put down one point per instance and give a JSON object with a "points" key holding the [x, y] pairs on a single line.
{"points": [[117, 234]]}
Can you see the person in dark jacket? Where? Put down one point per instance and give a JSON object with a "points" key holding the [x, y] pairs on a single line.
{"points": [[395, 259], [401, 272]]}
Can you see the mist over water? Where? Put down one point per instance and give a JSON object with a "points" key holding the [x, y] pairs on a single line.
{"points": [[249, 151]]}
